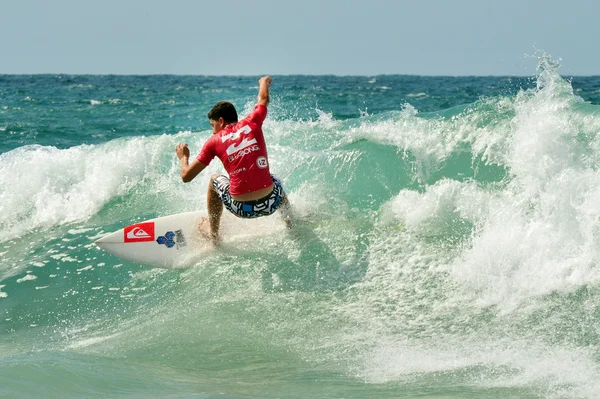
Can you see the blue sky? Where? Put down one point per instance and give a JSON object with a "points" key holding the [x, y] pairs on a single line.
{"points": [[350, 37]]}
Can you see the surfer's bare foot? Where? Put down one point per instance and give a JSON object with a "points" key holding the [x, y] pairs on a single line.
{"points": [[204, 230], [288, 222]]}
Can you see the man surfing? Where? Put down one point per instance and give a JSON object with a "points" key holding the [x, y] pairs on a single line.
{"points": [[250, 190]]}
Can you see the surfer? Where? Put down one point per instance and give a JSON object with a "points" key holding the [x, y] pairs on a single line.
{"points": [[250, 190]]}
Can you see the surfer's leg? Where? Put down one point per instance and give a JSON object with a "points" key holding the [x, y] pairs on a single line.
{"points": [[286, 211], [284, 206], [215, 210]]}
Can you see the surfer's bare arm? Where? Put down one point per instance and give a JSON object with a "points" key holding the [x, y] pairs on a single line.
{"points": [[263, 90], [188, 171]]}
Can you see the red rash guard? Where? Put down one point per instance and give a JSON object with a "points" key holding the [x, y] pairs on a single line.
{"points": [[242, 149]]}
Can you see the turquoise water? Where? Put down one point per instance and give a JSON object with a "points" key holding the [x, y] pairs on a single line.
{"points": [[447, 243]]}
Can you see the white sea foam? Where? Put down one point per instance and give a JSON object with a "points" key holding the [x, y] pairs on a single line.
{"points": [[83, 343], [502, 363], [416, 95], [72, 184], [79, 231], [28, 277], [457, 251]]}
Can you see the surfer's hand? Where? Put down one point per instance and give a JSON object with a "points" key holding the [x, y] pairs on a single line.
{"points": [[182, 150], [266, 80]]}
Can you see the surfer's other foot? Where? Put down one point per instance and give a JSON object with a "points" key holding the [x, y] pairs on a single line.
{"points": [[288, 222], [204, 230]]}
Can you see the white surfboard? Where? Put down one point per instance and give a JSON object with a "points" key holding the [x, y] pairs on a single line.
{"points": [[174, 241]]}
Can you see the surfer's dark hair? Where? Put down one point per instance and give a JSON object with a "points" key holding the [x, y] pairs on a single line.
{"points": [[225, 110]]}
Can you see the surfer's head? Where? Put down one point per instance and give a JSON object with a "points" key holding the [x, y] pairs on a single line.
{"points": [[221, 115]]}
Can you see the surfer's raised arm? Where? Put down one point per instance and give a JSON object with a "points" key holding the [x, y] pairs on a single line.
{"points": [[263, 90]]}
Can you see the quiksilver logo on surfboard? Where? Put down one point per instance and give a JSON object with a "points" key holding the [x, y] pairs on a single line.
{"points": [[139, 232]]}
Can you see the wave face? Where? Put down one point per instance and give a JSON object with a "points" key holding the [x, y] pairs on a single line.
{"points": [[447, 241]]}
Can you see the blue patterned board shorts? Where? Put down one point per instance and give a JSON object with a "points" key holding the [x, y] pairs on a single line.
{"points": [[249, 209]]}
